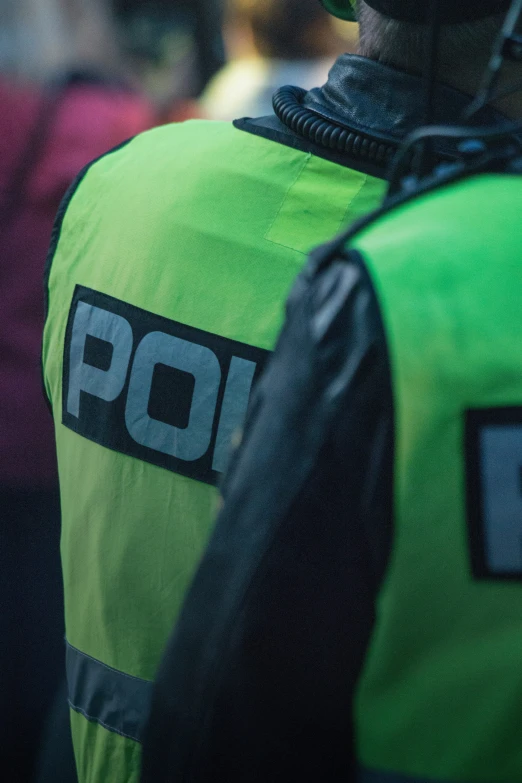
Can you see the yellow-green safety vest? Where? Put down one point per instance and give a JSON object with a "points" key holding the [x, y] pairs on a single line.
{"points": [[170, 263], [440, 696]]}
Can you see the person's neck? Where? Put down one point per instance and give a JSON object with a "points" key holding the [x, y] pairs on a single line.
{"points": [[469, 83], [468, 80]]}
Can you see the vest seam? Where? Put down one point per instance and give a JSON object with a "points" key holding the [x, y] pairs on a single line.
{"points": [[348, 206], [281, 205], [92, 719]]}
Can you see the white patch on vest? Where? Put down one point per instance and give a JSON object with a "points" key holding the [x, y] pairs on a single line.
{"points": [[501, 462]]}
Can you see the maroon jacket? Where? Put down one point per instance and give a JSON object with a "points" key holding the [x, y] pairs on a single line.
{"points": [[85, 120]]}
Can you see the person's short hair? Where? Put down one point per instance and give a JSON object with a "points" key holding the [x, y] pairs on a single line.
{"points": [[403, 44]]}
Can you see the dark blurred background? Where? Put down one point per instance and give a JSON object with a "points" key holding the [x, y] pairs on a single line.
{"points": [[176, 46]]}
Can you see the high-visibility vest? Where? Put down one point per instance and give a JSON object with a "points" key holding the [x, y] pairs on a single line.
{"points": [[171, 261], [440, 696]]}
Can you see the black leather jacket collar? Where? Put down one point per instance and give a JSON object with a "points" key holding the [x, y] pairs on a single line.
{"points": [[379, 100], [373, 101]]}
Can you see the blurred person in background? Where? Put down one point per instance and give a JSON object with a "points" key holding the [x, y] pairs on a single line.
{"points": [[271, 43], [176, 47], [170, 262], [65, 98]]}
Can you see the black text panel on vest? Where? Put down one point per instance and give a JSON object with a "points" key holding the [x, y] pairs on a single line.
{"points": [[153, 388], [494, 491]]}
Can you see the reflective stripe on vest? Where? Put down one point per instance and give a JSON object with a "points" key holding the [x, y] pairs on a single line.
{"points": [[117, 701]]}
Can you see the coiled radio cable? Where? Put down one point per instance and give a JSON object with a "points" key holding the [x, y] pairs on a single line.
{"points": [[324, 132]]}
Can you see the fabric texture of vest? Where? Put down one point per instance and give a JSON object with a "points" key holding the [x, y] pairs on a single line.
{"points": [[171, 261], [441, 691]]}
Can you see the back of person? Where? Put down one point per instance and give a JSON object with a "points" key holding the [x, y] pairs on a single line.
{"points": [[171, 265], [439, 693]]}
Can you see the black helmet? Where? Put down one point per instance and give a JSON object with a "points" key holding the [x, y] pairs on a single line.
{"points": [[452, 11]]}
